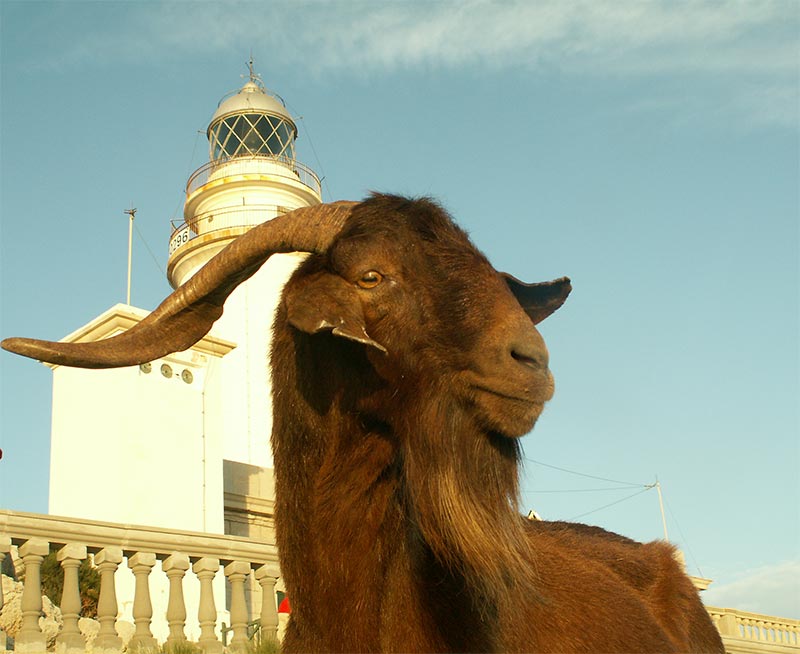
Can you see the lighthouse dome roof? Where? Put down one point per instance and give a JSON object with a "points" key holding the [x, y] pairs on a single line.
{"points": [[252, 98]]}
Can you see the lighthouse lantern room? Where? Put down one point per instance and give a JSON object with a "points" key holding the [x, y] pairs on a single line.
{"points": [[265, 128]]}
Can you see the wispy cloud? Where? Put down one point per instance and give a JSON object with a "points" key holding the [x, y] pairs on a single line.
{"points": [[773, 590], [619, 37], [749, 49]]}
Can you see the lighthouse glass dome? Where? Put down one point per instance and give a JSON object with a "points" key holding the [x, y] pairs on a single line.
{"points": [[251, 123], [252, 134]]}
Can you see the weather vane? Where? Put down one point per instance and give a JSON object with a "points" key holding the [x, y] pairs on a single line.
{"points": [[255, 78]]}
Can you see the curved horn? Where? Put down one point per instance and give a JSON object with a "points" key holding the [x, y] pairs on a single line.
{"points": [[187, 314]]}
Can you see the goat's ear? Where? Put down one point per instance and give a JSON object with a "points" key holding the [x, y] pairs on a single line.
{"points": [[323, 302], [539, 300]]}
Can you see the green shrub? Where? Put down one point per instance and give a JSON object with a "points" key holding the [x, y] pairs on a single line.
{"points": [[88, 584], [264, 646]]}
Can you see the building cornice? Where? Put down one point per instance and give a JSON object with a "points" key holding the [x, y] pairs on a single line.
{"points": [[121, 317]]}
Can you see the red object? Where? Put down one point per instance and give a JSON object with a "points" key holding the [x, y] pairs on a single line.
{"points": [[284, 606]]}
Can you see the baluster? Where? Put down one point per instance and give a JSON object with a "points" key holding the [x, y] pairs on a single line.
{"points": [[236, 573], [70, 640], [5, 548], [266, 576], [30, 637], [205, 569], [175, 567], [141, 564], [728, 625], [107, 561]]}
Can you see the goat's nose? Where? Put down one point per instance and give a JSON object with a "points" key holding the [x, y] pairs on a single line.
{"points": [[531, 354]]}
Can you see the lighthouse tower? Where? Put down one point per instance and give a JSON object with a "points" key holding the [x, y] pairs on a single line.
{"points": [[199, 420], [252, 176], [183, 442]]}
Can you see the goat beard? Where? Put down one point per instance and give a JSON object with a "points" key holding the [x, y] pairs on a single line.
{"points": [[463, 484]]}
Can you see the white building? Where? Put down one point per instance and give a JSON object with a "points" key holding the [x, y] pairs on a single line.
{"points": [[185, 439]]}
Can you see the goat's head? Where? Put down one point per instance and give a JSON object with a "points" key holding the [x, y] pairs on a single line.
{"points": [[402, 279], [394, 274]]}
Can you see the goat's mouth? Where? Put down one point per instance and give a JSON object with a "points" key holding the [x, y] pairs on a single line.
{"points": [[509, 408], [506, 396]]}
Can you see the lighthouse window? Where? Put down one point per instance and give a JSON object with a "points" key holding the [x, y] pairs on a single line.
{"points": [[240, 128], [280, 141], [254, 134], [220, 135], [254, 141]]}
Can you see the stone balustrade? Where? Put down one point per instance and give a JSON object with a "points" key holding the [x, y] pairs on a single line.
{"points": [[243, 562], [753, 632], [154, 555]]}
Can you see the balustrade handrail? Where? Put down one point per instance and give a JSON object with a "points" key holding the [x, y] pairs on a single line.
{"points": [[215, 220], [296, 171], [258, 211], [756, 627], [753, 616], [58, 530]]}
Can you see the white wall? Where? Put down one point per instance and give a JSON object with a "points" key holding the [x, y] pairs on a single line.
{"points": [[131, 447], [245, 393]]}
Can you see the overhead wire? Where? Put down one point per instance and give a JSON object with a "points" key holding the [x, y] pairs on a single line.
{"points": [[685, 541], [605, 506], [581, 490], [182, 195], [150, 251], [324, 178], [623, 485], [583, 474], [643, 488]]}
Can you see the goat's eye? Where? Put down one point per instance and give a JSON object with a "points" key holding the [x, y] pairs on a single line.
{"points": [[370, 279]]}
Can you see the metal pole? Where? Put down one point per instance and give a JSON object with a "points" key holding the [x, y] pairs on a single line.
{"points": [[132, 214], [661, 504]]}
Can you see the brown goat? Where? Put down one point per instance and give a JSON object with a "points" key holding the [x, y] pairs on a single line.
{"points": [[405, 369]]}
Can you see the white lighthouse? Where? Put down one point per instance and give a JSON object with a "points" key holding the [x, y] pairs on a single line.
{"points": [[183, 442], [197, 421], [252, 176]]}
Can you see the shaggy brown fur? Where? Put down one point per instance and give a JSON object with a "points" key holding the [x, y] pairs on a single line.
{"points": [[397, 470], [406, 368]]}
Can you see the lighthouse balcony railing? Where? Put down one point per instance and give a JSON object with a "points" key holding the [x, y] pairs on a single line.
{"points": [[142, 560], [248, 215], [280, 166]]}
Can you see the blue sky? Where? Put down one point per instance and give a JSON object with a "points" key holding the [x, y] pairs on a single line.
{"points": [[648, 150]]}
